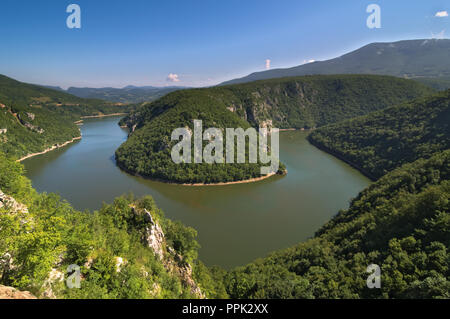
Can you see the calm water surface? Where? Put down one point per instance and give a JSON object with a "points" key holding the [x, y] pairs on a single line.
{"points": [[236, 223]]}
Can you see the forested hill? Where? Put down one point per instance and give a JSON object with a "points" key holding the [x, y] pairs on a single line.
{"points": [[303, 102], [127, 249], [426, 59], [400, 223], [297, 102], [381, 141], [33, 118]]}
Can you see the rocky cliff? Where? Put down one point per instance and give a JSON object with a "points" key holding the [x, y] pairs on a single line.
{"points": [[155, 239]]}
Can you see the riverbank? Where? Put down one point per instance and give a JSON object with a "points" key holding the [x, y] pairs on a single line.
{"points": [[342, 158], [252, 180], [246, 181], [54, 147], [102, 115], [296, 129], [291, 208]]}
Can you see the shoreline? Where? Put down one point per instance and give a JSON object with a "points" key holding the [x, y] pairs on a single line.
{"points": [[342, 158], [100, 116], [79, 123], [54, 147], [247, 181], [296, 129]]}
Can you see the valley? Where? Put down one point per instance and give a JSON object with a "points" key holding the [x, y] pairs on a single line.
{"points": [[92, 183], [236, 223]]}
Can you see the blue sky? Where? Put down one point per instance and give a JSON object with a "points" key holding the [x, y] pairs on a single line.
{"points": [[204, 42]]}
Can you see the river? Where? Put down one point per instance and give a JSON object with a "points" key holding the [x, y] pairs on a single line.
{"points": [[236, 223]]}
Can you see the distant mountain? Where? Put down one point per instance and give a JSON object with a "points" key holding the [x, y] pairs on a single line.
{"points": [[56, 88], [128, 94], [425, 60]]}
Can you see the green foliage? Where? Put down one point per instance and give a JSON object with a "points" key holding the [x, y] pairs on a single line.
{"points": [[439, 82], [303, 102], [182, 239], [37, 118], [52, 235], [379, 142], [401, 223]]}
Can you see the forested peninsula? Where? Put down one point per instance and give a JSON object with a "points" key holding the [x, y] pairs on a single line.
{"points": [[300, 102]]}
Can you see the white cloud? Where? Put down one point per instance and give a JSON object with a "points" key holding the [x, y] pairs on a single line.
{"points": [[173, 78], [308, 61], [268, 64], [441, 14]]}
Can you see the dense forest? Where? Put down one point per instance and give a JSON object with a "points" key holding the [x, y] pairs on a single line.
{"points": [[41, 235], [379, 142], [303, 102], [297, 102], [34, 118], [148, 150], [128, 249], [401, 223]]}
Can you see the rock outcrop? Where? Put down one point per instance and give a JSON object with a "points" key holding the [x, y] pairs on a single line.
{"points": [[54, 277], [12, 293], [9, 203], [154, 235], [34, 128], [173, 262], [183, 271]]}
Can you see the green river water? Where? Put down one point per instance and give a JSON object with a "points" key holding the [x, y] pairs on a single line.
{"points": [[236, 223]]}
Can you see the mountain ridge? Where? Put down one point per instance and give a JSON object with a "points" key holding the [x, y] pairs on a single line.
{"points": [[421, 58]]}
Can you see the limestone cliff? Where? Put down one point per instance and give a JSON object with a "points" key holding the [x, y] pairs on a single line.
{"points": [[154, 238]]}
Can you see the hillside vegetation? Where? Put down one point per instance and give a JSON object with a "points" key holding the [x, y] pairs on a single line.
{"points": [[147, 151], [127, 249], [34, 118], [381, 141], [401, 223], [303, 102]]}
